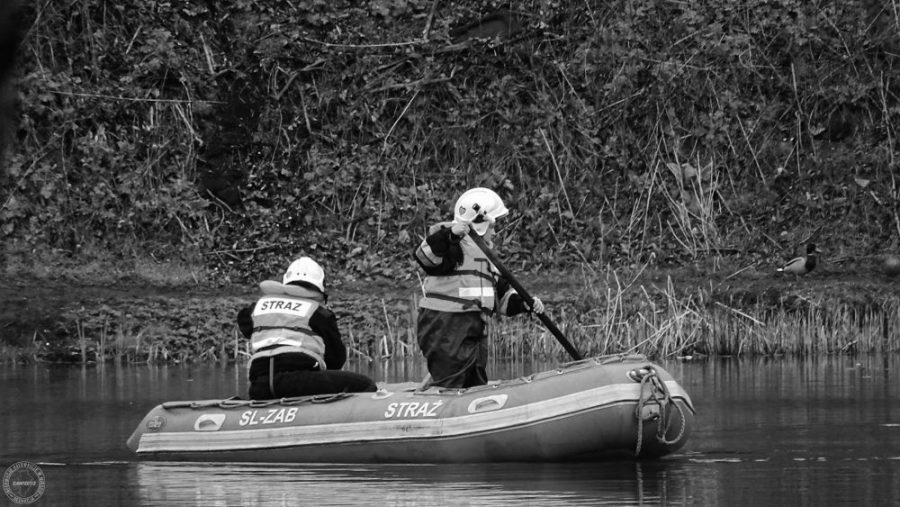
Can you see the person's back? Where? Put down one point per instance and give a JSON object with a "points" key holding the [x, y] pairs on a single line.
{"points": [[294, 338]]}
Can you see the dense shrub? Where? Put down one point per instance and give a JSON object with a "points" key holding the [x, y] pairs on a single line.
{"points": [[251, 131]]}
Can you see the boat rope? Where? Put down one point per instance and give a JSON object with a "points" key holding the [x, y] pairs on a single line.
{"points": [[301, 400], [237, 402], [656, 394]]}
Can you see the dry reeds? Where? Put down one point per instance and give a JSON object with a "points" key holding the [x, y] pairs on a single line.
{"points": [[663, 324], [610, 315]]}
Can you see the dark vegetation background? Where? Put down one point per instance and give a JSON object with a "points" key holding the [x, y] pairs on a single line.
{"points": [[232, 136], [10, 35], [204, 144]]}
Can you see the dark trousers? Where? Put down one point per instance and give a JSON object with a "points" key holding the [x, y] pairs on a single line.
{"points": [[455, 347], [288, 384]]}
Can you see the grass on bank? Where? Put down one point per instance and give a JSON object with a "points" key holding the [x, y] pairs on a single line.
{"points": [[696, 326], [604, 318]]}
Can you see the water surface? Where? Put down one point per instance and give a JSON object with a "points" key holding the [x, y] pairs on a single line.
{"points": [[768, 432]]}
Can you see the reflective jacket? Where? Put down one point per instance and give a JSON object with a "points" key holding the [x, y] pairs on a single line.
{"points": [[281, 324], [469, 285]]}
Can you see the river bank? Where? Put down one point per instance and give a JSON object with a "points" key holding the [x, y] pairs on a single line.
{"points": [[718, 308]]}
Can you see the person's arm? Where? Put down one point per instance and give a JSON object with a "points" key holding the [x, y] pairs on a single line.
{"points": [[510, 302], [324, 323], [245, 320], [439, 253]]}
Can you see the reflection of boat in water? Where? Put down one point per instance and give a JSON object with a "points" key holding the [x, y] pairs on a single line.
{"points": [[648, 482], [586, 410]]}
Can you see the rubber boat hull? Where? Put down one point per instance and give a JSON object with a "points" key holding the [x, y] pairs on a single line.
{"points": [[589, 410]]}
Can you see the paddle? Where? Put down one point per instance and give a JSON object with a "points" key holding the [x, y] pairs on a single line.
{"points": [[524, 294]]}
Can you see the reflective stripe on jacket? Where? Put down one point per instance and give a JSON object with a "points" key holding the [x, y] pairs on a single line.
{"points": [[471, 287], [281, 324]]}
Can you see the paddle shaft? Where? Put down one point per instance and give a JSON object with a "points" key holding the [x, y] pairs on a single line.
{"points": [[560, 337]]}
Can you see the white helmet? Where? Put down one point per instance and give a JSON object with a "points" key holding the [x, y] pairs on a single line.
{"points": [[479, 207], [306, 270]]}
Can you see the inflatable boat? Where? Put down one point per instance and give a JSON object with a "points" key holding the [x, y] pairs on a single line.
{"points": [[588, 410]]}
